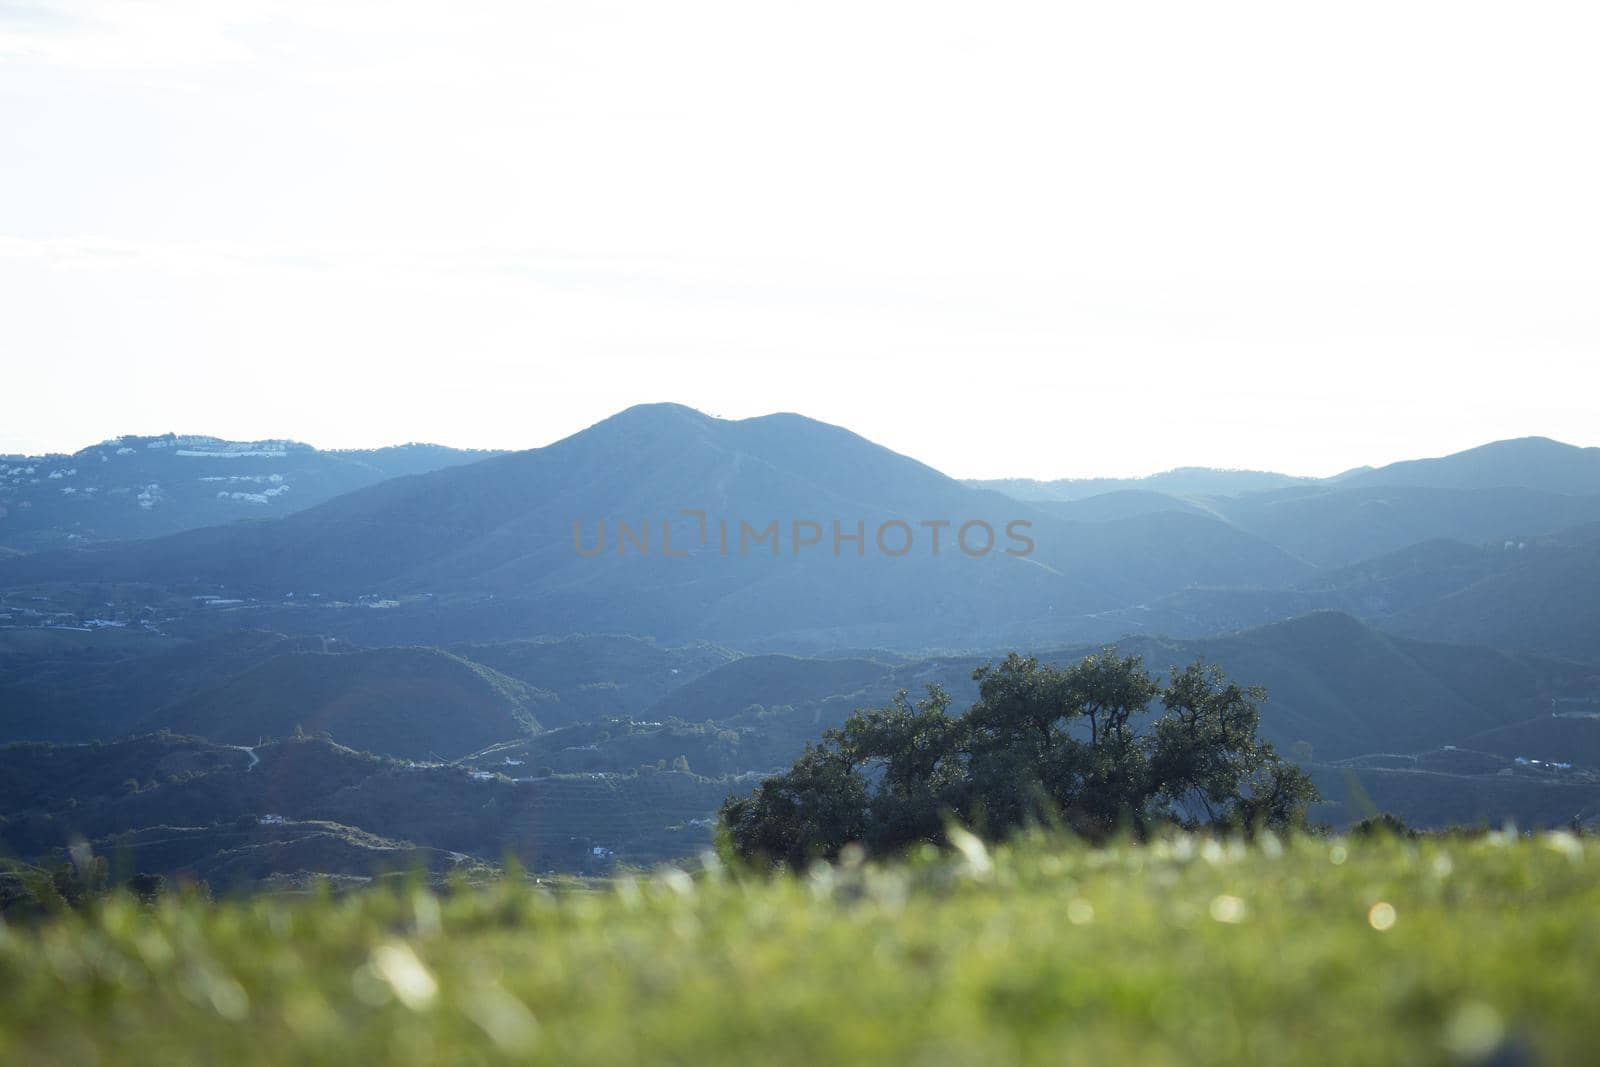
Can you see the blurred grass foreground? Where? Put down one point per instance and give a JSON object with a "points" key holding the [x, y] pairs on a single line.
{"points": [[1180, 951]]}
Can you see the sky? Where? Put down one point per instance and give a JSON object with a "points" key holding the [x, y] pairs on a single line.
{"points": [[1009, 239]]}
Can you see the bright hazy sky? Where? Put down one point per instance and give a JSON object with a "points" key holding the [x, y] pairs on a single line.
{"points": [[1009, 239]]}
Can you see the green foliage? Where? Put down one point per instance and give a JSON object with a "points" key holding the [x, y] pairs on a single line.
{"points": [[894, 776], [1384, 825], [147, 888], [1184, 950]]}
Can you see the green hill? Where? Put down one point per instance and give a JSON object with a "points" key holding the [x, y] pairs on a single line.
{"points": [[101, 686], [1349, 689], [47, 777], [766, 679], [1550, 603], [1548, 738], [234, 857], [547, 823], [65, 793], [597, 675], [66, 686], [103, 793], [1433, 800], [417, 703]]}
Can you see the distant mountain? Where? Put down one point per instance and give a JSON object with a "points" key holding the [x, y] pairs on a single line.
{"points": [[1334, 526], [494, 540], [1329, 525], [1334, 683], [485, 552], [1524, 462], [1508, 489], [1348, 689], [1120, 504], [136, 487], [1549, 602], [1535, 594], [1203, 481]]}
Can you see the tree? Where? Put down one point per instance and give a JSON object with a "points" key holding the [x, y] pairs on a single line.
{"points": [[1082, 744], [905, 747], [148, 888], [815, 809], [1212, 766]]}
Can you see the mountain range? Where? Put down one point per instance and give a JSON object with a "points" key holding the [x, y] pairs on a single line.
{"points": [[1525, 462], [491, 550], [574, 652], [135, 487]]}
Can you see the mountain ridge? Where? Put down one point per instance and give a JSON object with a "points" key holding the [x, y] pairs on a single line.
{"points": [[1529, 462], [138, 486], [495, 550]]}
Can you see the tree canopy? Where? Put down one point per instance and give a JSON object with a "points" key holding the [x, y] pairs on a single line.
{"points": [[1098, 745]]}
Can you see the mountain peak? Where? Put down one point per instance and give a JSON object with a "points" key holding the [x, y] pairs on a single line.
{"points": [[660, 413], [666, 415], [1527, 462]]}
